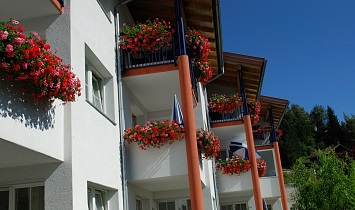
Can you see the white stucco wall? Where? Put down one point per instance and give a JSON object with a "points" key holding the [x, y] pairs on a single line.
{"points": [[95, 139]]}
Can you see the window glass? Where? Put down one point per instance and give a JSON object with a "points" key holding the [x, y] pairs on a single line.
{"points": [[96, 92], [99, 200], [268, 157], [4, 200], [22, 199], [37, 198]]}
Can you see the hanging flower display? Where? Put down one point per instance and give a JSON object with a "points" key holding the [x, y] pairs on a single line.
{"points": [[154, 134], [236, 165], [261, 167], [148, 36], [30, 61], [263, 130], [204, 71], [207, 143], [222, 103], [197, 44], [254, 111], [198, 48]]}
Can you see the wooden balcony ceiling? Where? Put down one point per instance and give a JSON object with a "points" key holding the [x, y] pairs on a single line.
{"points": [[197, 14], [253, 73], [278, 108]]}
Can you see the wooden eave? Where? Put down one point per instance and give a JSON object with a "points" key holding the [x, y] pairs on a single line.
{"points": [[253, 73], [278, 106], [198, 14]]}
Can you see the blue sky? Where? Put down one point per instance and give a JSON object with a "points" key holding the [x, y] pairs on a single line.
{"points": [[309, 46]]}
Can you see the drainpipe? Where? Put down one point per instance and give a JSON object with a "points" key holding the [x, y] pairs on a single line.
{"points": [[278, 164], [250, 143], [120, 108]]}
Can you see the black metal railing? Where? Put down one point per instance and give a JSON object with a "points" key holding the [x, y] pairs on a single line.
{"points": [[194, 77], [235, 115], [262, 139], [144, 58]]}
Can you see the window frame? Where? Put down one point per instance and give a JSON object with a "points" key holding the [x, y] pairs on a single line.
{"points": [[91, 73], [12, 192], [91, 194]]}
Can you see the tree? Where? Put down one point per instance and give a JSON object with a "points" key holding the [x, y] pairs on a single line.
{"points": [[334, 132], [349, 131], [328, 184], [318, 119], [297, 140]]}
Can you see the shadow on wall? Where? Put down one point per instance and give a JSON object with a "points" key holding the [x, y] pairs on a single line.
{"points": [[19, 106]]}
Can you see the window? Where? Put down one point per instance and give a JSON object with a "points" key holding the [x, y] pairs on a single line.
{"points": [[268, 157], [139, 205], [166, 205], [223, 154], [22, 198], [99, 86], [235, 206], [94, 88], [97, 199]]}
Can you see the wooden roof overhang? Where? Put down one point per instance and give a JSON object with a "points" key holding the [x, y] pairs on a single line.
{"points": [[203, 15], [253, 73], [278, 109]]}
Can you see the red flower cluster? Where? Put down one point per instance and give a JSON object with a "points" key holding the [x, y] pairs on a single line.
{"points": [[205, 71], [29, 60], [207, 143], [149, 36], [154, 134], [197, 44], [263, 130], [222, 103], [254, 111], [236, 165], [199, 47], [261, 167]]}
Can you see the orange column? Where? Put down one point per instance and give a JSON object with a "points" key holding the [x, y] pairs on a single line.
{"points": [[280, 176], [190, 133], [254, 168]]}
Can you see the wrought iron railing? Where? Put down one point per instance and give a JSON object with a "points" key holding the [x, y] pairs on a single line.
{"points": [[235, 115], [144, 58], [262, 139]]}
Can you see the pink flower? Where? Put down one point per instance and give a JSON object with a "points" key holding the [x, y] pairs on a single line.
{"points": [[19, 40], [15, 22], [36, 35], [9, 48], [3, 34]]}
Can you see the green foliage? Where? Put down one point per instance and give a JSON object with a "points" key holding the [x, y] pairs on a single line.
{"points": [[328, 184], [297, 140]]}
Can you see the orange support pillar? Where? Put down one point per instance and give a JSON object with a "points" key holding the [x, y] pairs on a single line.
{"points": [[280, 176], [190, 133], [254, 168]]}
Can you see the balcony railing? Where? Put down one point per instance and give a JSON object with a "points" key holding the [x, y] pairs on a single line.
{"points": [[262, 139], [235, 115], [144, 58]]}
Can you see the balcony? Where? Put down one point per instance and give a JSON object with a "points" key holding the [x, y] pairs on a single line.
{"points": [[20, 10], [262, 139], [221, 117], [32, 133], [159, 169], [234, 185]]}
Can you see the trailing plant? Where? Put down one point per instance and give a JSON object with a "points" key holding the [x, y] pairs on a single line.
{"points": [[148, 36], [207, 143], [237, 165], [154, 134], [29, 59], [222, 103]]}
